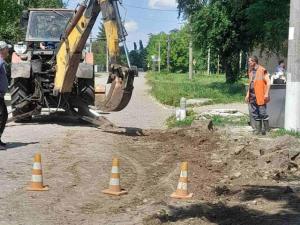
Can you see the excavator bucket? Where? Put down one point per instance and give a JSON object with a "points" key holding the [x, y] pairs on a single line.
{"points": [[119, 94]]}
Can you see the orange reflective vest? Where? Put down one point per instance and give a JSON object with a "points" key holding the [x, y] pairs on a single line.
{"points": [[260, 85]]}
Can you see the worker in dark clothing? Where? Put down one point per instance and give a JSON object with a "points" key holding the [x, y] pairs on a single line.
{"points": [[4, 52], [258, 95]]}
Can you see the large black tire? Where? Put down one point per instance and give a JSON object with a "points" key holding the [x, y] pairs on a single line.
{"points": [[20, 91]]}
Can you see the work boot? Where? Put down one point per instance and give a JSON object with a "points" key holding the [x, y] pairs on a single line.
{"points": [[258, 126], [266, 127]]}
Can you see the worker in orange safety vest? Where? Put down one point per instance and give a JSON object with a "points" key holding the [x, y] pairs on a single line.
{"points": [[258, 95]]}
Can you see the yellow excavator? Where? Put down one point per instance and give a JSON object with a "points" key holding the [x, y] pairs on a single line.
{"points": [[52, 70]]}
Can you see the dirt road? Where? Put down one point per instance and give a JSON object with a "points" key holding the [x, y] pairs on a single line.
{"points": [[143, 111], [236, 178], [76, 161]]}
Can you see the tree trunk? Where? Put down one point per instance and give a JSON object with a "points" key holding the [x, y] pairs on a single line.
{"points": [[231, 68]]}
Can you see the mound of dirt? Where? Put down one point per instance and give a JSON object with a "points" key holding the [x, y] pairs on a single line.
{"points": [[229, 174]]}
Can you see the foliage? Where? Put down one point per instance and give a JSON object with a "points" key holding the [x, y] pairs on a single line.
{"points": [[232, 26], [138, 56], [269, 20], [224, 32], [179, 40], [9, 18], [169, 88], [10, 12], [172, 122], [43, 3], [99, 48], [283, 132]]}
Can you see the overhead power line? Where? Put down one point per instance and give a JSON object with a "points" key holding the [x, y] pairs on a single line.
{"points": [[150, 9]]}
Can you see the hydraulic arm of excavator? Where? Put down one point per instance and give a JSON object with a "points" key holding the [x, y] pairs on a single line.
{"points": [[73, 41]]}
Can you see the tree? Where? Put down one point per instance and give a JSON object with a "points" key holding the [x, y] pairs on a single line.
{"points": [[178, 53], [232, 26], [99, 47], [134, 46], [43, 3], [269, 20], [223, 32], [141, 45], [10, 13]]}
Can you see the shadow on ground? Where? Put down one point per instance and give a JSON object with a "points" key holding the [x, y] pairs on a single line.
{"points": [[12, 145], [57, 118], [223, 214], [128, 131]]}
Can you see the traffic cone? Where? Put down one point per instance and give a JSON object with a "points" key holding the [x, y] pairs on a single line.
{"points": [[114, 184], [37, 175], [182, 190]]}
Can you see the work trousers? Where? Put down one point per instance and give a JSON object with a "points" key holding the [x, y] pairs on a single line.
{"points": [[258, 112], [3, 115]]}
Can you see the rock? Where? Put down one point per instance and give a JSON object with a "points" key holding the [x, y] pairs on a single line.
{"points": [[198, 101], [239, 149], [236, 175], [128, 210], [254, 202], [214, 156]]}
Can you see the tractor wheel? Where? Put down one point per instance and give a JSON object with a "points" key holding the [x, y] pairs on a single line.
{"points": [[19, 91]]}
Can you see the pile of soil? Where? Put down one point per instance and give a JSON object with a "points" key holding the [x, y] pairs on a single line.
{"points": [[236, 178]]}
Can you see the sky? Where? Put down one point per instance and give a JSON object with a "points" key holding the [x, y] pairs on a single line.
{"points": [[143, 17]]}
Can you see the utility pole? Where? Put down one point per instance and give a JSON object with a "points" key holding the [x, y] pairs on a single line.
{"points": [[208, 62], [190, 53], [191, 60], [91, 43], [159, 56], [292, 105], [168, 53], [240, 62], [218, 64]]}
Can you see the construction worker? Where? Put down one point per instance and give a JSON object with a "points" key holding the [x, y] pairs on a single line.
{"points": [[4, 52], [258, 95]]}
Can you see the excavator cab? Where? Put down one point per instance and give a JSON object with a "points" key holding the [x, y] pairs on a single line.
{"points": [[47, 25]]}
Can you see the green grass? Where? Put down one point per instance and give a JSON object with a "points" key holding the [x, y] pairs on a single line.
{"points": [[283, 132], [229, 120], [169, 88], [171, 122]]}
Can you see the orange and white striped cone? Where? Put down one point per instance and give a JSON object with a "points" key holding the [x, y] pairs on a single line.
{"points": [[114, 184], [182, 188], [37, 175]]}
